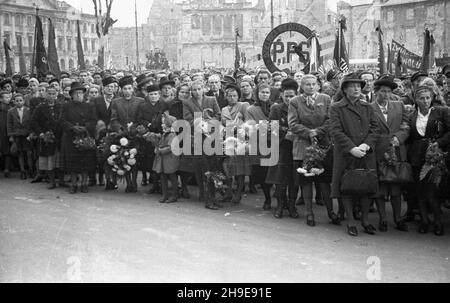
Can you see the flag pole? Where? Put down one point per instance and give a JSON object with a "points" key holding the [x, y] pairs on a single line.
{"points": [[34, 46], [137, 37]]}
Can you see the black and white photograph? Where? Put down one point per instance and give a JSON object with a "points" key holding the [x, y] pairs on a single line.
{"points": [[197, 143]]}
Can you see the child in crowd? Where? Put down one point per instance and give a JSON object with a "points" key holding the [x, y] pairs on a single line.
{"points": [[166, 163], [5, 144], [18, 124]]}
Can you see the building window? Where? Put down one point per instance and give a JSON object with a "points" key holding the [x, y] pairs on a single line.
{"points": [[390, 16], [93, 45], [19, 40], [93, 28], [30, 43], [410, 13], [206, 25], [195, 22], [18, 20], [6, 37], [329, 19], [7, 20], [30, 21], [60, 43], [86, 49], [85, 28], [217, 25], [69, 44]]}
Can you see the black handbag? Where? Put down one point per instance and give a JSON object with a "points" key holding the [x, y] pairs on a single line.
{"points": [[360, 181], [396, 171]]}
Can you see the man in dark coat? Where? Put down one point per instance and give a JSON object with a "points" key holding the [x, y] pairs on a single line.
{"points": [[103, 102], [216, 91]]}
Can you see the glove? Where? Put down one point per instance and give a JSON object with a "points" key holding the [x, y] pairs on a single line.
{"points": [[357, 152]]}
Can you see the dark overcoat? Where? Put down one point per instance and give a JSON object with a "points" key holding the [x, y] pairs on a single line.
{"points": [[350, 126]]}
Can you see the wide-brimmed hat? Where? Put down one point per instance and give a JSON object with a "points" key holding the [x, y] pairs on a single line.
{"points": [[142, 80], [235, 87], [418, 74], [352, 78], [165, 81], [77, 86], [386, 80], [332, 74]]}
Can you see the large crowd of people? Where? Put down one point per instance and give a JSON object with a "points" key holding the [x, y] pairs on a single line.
{"points": [[58, 131]]}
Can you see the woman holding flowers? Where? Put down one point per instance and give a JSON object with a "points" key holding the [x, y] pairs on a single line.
{"points": [[309, 122], [429, 133], [237, 164], [258, 113], [78, 123]]}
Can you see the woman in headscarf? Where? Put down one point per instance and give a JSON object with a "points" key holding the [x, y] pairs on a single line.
{"points": [[259, 113]]}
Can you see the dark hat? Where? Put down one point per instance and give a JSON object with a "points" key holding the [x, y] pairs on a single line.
{"points": [[446, 70], [235, 87], [165, 81], [152, 88], [76, 86], [404, 76], [423, 88], [241, 73], [127, 80], [22, 83], [6, 81], [289, 83], [332, 74], [141, 80], [108, 80], [53, 80], [352, 78], [229, 79], [418, 74], [386, 80], [174, 75]]}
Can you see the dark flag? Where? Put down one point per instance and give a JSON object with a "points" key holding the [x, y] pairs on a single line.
{"points": [[22, 64], [389, 63], [81, 63], [41, 61], [340, 56], [8, 70], [381, 58], [53, 62], [398, 65], [237, 56], [425, 64]]}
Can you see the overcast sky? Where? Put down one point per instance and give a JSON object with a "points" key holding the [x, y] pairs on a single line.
{"points": [[123, 10]]}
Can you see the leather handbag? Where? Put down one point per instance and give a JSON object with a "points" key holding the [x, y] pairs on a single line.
{"points": [[395, 171], [359, 180]]}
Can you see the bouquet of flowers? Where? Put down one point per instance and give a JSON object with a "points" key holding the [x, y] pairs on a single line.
{"points": [[434, 167], [84, 143], [48, 137], [218, 179], [313, 160], [123, 157]]}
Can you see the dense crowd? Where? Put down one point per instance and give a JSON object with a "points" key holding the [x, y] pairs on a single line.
{"points": [[359, 139]]}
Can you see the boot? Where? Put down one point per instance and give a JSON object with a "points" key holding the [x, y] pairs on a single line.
{"points": [[279, 210], [51, 176], [292, 209], [268, 200]]}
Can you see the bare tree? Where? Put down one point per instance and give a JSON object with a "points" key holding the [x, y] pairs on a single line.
{"points": [[103, 24]]}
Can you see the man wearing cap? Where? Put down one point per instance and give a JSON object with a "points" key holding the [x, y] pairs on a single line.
{"points": [[215, 90], [124, 109], [354, 130], [416, 79], [143, 82], [394, 130], [333, 78]]}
